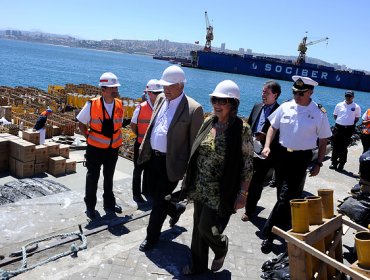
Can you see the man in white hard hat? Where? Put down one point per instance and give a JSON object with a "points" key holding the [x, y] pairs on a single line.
{"points": [[100, 121], [166, 147], [301, 122], [139, 125]]}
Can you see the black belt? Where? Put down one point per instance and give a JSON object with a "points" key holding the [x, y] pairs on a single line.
{"points": [[344, 126], [158, 153]]}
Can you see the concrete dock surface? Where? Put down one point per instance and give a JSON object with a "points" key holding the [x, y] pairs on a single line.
{"points": [[113, 253]]}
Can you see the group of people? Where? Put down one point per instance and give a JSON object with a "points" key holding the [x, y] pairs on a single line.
{"points": [[221, 160]]}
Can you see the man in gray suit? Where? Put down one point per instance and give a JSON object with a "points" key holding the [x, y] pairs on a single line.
{"points": [[166, 146]]}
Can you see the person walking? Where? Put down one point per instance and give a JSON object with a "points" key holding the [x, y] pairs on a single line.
{"points": [[259, 123], [100, 121], [365, 132], [40, 125], [301, 123], [139, 124], [218, 176], [166, 146], [346, 115]]}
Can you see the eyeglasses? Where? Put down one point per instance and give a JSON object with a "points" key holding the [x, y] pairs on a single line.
{"points": [[220, 101], [155, 92], [300, 93]]}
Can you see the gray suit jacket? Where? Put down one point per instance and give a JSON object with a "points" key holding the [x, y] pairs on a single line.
{"points": [[184, 127]]}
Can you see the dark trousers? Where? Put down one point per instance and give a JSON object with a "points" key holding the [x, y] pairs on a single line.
{"points": [[161, 187], [260, 169], [136, 176], [207, 233], [341, 140], [291, 172], [95, 158], [365, 140]]}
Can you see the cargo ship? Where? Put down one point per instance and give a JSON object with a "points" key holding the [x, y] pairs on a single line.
{"points": [[280, 69]]}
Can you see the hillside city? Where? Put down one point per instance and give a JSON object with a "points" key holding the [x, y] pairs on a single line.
{"points": [[147, 47]]}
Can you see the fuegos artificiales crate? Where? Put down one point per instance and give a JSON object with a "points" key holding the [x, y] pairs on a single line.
{"points": [[41, 167], [31, 136], [53, 149], [70, 166], [24, 169], [57, 165], [64, 150], [22, 150], [41, 154]]}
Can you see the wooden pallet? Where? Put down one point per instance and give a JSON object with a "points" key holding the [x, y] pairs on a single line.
{"points": [[329, 262]]}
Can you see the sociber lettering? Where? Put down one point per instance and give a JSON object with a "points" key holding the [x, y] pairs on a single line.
{"points": [[289, 70]]}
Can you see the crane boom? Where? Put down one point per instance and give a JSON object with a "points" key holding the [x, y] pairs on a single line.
{"points": [[302, 48], [209, 35]]}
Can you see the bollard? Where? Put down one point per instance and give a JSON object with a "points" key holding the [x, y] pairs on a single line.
{"points": [[299, 210], [362, 243], [327, 202], [314, 210]]}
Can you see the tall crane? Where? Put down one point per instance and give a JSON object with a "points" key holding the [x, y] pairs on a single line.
{"points": [[209, 35], [302, 48]]}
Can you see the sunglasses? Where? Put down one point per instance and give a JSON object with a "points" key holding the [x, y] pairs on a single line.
{"points": [[155, 92], [300, 93], [220, 101]]}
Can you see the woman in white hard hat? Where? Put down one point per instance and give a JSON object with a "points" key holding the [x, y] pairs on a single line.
{"points": [[218, 176]]}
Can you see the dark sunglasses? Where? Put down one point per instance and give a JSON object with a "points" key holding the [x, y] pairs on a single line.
{"points": [[300, 93], [220, 101]]}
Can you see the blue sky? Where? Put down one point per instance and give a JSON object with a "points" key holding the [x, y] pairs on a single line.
{"points": [[265, 26]]}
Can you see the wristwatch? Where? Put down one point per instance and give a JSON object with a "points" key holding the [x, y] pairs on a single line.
{"points": [[318, 163]]}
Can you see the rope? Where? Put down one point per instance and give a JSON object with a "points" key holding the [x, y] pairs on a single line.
{"points": [[5, 275]]}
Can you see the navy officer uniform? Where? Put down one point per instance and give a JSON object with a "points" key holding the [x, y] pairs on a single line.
{"points": [[300, 122]]}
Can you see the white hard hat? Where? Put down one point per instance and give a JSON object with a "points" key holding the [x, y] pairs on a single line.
{"points": [[153, 86], [108, 79], [172, 75], [226, 89]]}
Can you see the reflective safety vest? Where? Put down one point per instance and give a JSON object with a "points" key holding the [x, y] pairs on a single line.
{"points": [[143, 120], [95, 137], [366, 129]]}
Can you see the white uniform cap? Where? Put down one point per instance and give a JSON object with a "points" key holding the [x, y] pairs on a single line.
{"points": [[172, 75], [303, 83], [153, 86]]}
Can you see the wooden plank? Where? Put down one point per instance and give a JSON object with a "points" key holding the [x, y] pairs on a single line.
{"points": [[323, 257], [352, 224]]}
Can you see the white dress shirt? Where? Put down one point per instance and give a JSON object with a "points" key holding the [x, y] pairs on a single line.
{"points": [[300, 126], [158, 138]]}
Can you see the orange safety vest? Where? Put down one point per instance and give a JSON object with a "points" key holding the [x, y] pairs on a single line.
{"points": [[366, 130], [143, 120], [95, 137]]}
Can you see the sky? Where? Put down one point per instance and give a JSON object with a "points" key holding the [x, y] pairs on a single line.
{"points": [[265, 26]]}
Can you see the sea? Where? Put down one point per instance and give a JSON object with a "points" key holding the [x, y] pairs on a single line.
{"points": [[39, 65]]}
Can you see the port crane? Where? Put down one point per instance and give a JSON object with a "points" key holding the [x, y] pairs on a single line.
{"points": [[302, 48], [209, 35]]}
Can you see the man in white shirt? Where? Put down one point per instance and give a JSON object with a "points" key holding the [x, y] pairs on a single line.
{"points": [[300, 122], [346, 115], [166, 147]]}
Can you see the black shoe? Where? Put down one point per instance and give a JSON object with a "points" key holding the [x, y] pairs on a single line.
{"points": [[146, 245], [340, 167], [116, 209], [138, 199], [91, 213], [333, 166], [180, 209], [266, 246]]}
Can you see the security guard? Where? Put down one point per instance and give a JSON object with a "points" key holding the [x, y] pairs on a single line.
{"points": [[100, 121], [346, 115], [300, 122], [139, 124]]}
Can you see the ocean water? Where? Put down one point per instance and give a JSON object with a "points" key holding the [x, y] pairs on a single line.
{"points": [[40, 65]]}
